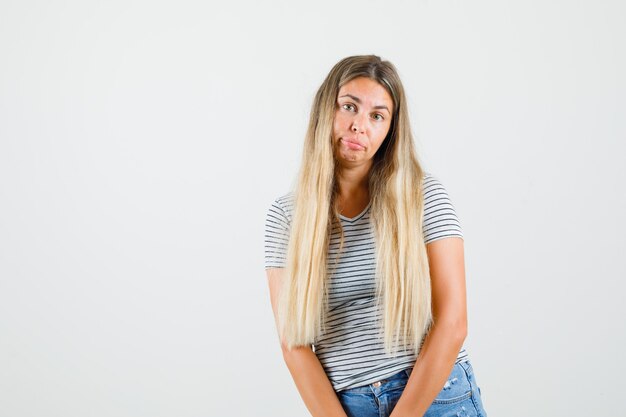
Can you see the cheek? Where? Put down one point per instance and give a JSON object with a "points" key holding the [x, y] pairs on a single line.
{"points": [[338, 120], [380, 135], [338, 124], [382, 131]]}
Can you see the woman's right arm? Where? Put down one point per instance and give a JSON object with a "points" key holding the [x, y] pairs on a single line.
{"points": [[306, 370]]}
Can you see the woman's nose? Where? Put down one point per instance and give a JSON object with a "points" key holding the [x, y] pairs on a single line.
{"points": [[358, 124]]}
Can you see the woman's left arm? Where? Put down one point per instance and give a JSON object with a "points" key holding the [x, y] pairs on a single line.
{"points": [[445, 338]]}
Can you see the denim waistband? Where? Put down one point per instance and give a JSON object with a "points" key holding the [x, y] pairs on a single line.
{"points": [[388, 381], [376, 387]]}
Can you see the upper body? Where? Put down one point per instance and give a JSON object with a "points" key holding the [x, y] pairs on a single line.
{"points": [[350, 350], [359, 158]]}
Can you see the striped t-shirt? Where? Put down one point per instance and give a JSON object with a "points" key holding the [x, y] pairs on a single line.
{"points": [[350, 350]]}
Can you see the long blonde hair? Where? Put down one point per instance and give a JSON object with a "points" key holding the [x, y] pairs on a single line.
{"points": [[395, 181]]}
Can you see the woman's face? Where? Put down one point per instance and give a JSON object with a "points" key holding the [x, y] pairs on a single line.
{"points": [[362, 120]]}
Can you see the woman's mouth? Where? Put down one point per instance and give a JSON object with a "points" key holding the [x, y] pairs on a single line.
{"points": [[353, 145]]}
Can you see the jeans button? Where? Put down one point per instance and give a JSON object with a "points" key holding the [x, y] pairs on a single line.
{"points": [[377, 384]]}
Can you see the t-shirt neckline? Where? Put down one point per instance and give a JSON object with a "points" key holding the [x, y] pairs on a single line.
{"points": [[358, 216]]}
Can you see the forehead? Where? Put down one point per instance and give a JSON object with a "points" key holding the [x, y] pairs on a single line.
{"points": [[366, 89]]}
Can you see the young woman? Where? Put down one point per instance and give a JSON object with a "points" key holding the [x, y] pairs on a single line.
{"points": [[365, 263]]}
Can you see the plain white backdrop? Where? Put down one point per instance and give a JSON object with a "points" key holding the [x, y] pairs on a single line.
{"points": [[141, 143]]}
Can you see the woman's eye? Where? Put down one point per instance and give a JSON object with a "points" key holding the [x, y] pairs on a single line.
{"points": [[348, 105], [379, 115]]}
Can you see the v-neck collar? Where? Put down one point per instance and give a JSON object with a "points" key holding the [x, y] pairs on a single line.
{"points": [[358, 216]]}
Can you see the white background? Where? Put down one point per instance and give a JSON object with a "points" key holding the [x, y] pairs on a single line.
{"points": [[141, 143]]}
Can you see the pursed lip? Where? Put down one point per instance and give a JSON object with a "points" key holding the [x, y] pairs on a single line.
{"points": [[356, 142]]}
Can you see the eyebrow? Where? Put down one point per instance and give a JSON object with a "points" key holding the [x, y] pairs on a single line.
{"points": [[358, 100]]}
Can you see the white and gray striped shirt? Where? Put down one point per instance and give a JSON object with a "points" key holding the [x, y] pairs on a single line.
{"points": [[350, 351]]}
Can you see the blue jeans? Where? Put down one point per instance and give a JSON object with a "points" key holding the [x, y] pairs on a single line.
{"points": [[459, 397]]}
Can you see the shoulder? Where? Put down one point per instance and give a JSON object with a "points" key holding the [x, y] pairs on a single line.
{"points": [[433, 189], [440, 217], [281, 208], [277, 225], [431, 182]]}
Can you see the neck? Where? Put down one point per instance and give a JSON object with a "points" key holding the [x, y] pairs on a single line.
{"points": [[353, 182]]}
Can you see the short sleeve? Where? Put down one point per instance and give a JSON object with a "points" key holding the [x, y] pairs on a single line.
{"points": [[276, 234], [440, 219]]}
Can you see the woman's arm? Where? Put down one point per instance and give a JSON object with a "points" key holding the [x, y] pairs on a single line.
{"points": [[305, 368], [445, 339]]}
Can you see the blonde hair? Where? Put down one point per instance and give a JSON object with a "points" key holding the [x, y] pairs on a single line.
{"points": [[395, 181]]}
